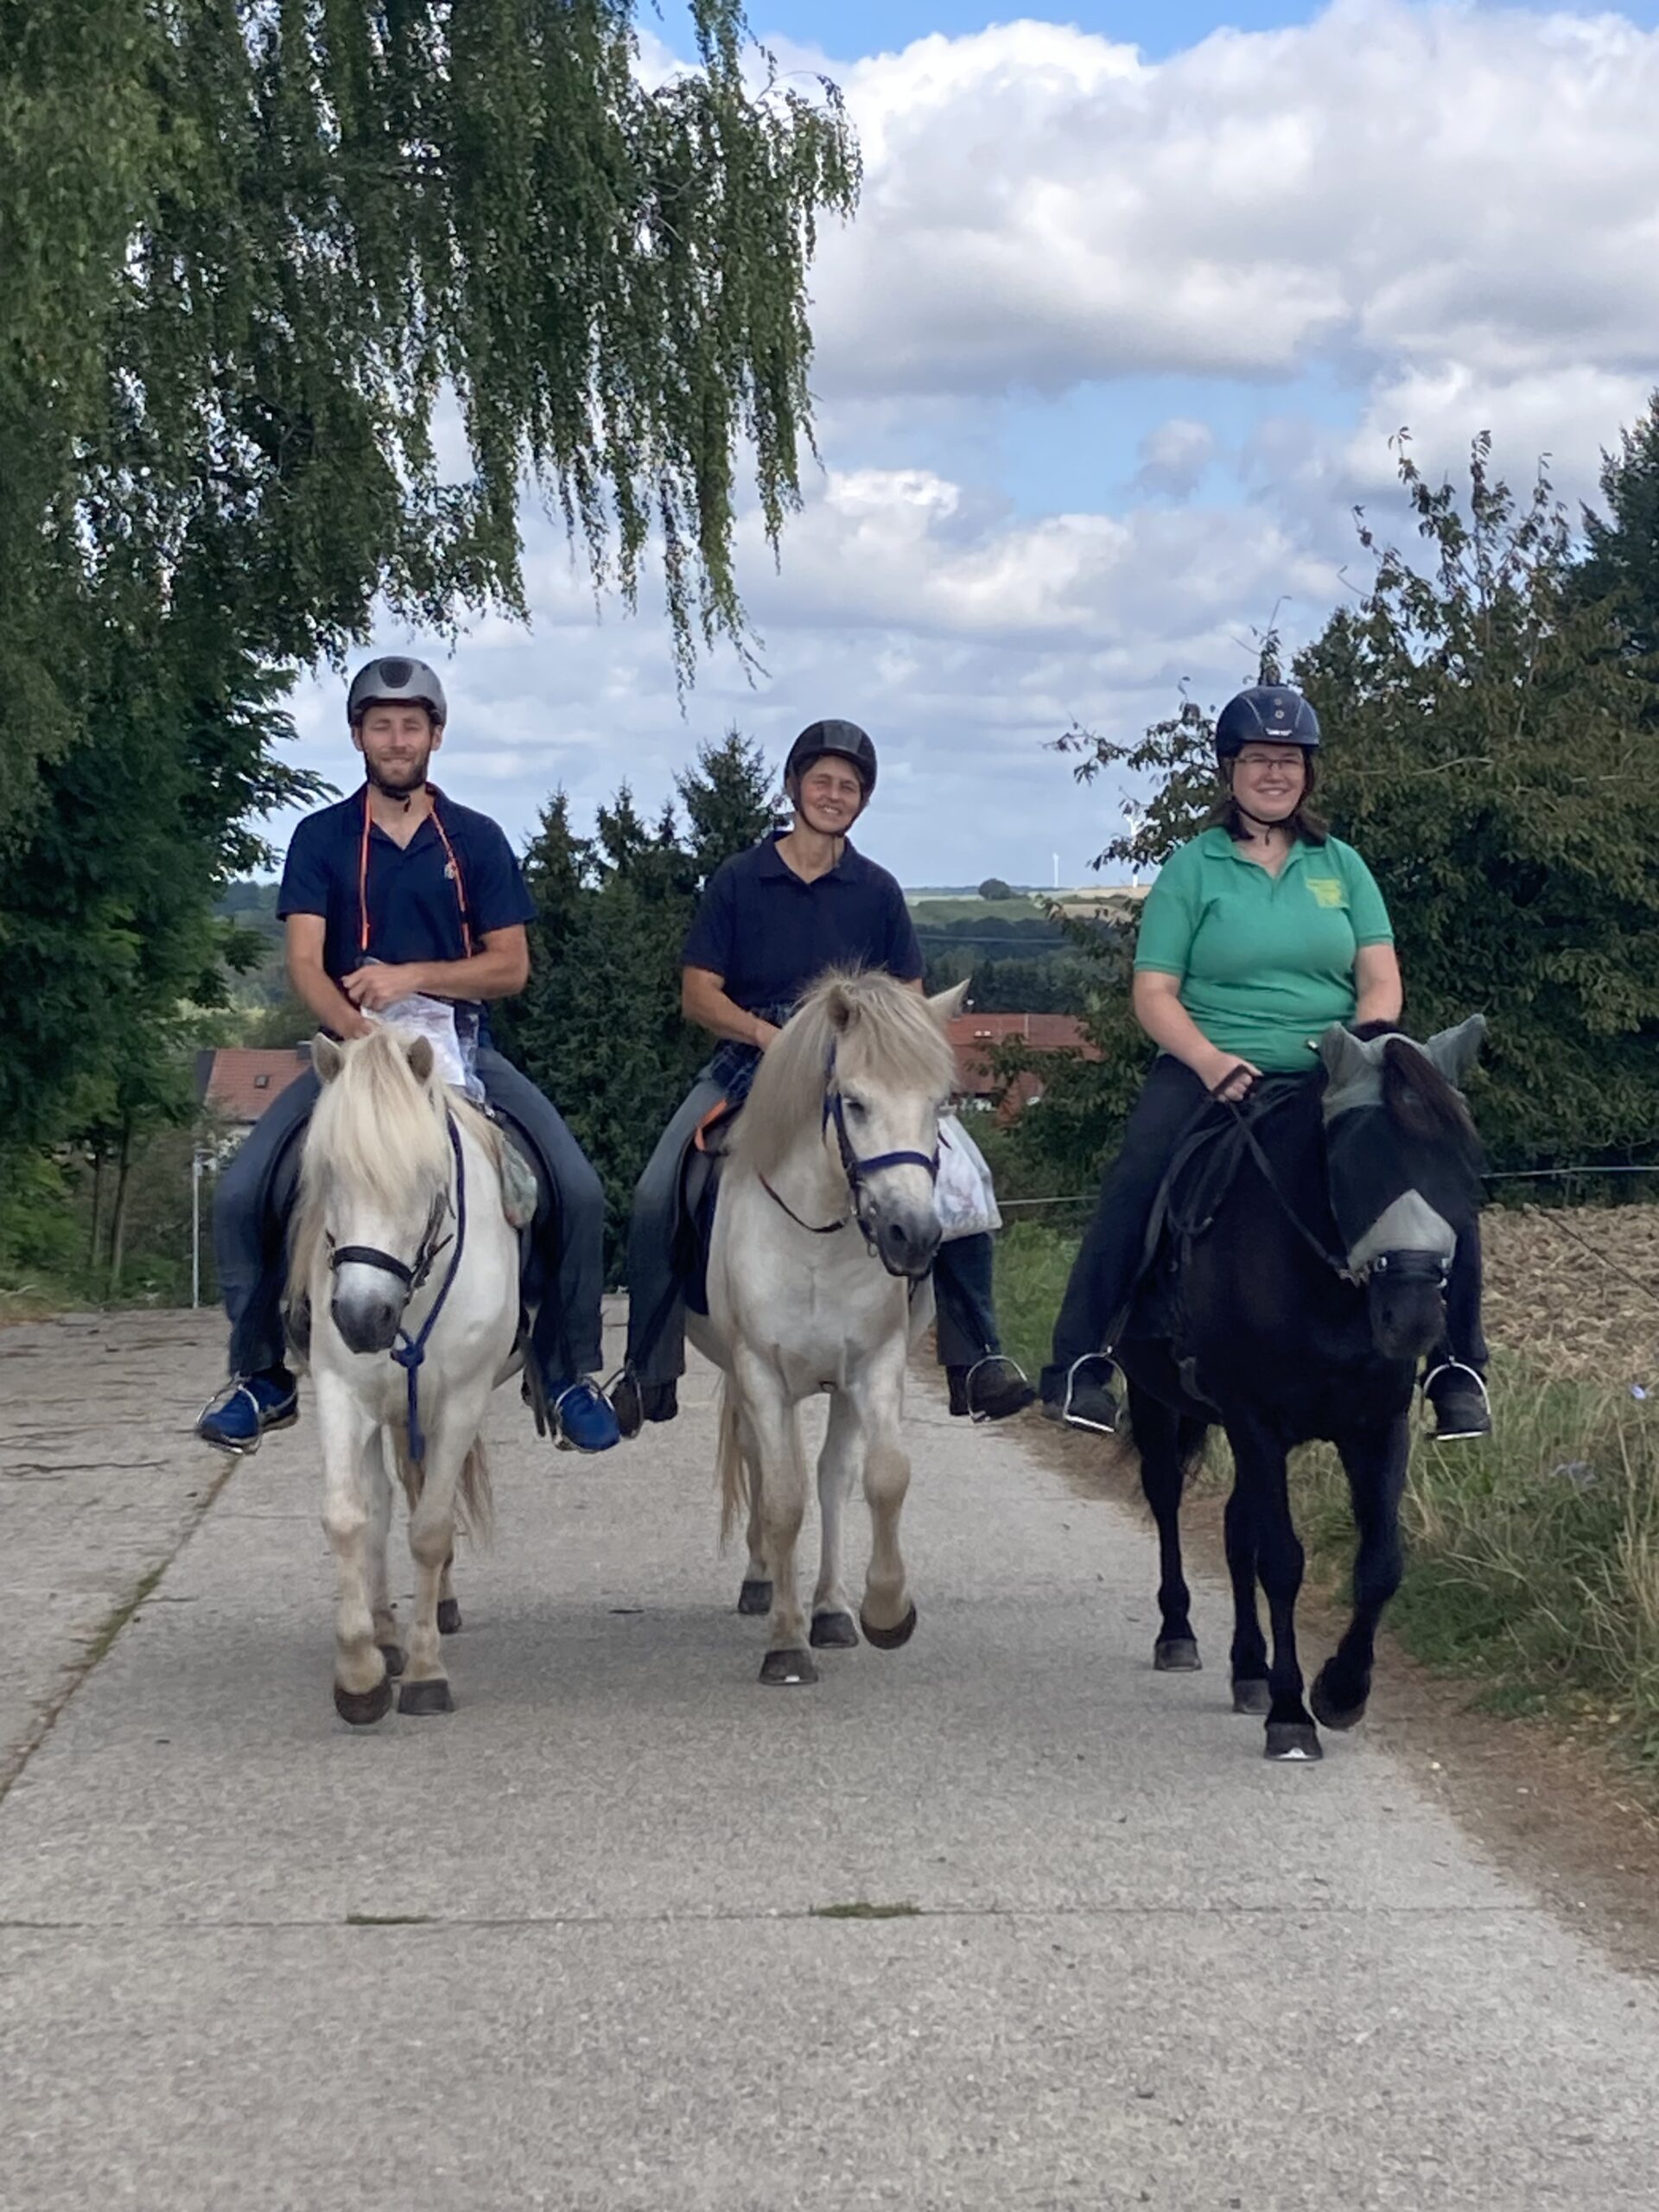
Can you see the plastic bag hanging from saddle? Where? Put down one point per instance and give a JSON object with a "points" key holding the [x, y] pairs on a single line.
{"points": [[449, 1028], [964, 1197]]}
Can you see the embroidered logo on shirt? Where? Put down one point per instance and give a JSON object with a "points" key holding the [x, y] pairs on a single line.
{"points": [[1327, 889]]}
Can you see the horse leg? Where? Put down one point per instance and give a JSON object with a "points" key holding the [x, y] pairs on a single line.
{"points": [[887, 1616], [1261, 1475], [833, 1627], [1376, 1464], [770, 1431], [1249, 1652], [379, 1532], [362, 1690], [1164, 1442], [449, 1603], [425, 1686]]}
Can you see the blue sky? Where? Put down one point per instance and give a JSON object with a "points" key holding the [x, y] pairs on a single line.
{"points": [[1113, 348]]}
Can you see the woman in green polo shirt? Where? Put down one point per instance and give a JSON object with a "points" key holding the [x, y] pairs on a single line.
{"points": [[1256, 936]]}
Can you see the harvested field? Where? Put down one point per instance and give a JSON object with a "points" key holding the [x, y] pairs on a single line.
{"points": [[1560, 1291]]}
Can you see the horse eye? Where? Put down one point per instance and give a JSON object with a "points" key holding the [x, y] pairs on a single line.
{"points": [[857, 1108]]}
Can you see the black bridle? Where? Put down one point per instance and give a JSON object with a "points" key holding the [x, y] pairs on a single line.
{"points": [[856, 1170], [411, 1351]]}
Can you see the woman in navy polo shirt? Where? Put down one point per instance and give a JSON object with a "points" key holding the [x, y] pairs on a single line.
{"points": [[395, 892], [772, 920]]}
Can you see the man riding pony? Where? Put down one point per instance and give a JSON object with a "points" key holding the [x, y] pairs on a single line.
{"points": [[398, 902], [772, 920]]}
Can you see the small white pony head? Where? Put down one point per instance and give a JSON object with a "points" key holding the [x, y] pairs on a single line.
{"points": [[374, 1180], [863, 1038]]}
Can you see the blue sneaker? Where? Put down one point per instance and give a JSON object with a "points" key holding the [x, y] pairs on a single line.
{"points": [[584, 1417], [247, 1407]]}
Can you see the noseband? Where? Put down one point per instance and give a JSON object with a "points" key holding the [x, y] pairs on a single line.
{"points": [[856, 1170], [410, 1352]]}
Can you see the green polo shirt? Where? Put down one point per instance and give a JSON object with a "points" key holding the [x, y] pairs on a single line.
{"points": [[1265, 962]]}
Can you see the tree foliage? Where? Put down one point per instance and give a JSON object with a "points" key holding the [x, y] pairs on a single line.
{"points": [[1490, 717], [296, 295], [599, 1026]]}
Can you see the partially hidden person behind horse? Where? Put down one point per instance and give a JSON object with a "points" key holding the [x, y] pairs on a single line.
{"points": [[771, 921], [1256, 936], [400, 904]]}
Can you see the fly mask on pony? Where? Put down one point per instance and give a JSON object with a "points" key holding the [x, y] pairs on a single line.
{"points": [[1403, 1164], [375, 1179]]}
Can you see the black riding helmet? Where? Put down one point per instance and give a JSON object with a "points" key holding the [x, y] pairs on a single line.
{"points": [[1268, 713], [391, 682], [845, 740]]}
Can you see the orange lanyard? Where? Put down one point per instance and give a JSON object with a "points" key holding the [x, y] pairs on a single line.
{"points": [[453, 871]]}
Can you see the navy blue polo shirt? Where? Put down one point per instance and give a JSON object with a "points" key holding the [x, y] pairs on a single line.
{"points": [[413, 898], [770, 936]]}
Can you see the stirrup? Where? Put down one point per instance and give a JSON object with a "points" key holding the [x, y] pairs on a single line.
{"points": [[1073, 1420], [1458, 1367], [990, 1359], [238, 1387]]}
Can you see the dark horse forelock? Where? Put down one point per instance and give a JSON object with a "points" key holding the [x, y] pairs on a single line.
{"points": [[1424, 1106]]}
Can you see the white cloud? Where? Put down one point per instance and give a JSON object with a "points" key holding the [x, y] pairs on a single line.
{"points": [[1389, 183], [1449, 213]]}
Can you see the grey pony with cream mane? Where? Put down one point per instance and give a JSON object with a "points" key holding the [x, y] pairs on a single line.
{"points": [[818, 1280]]}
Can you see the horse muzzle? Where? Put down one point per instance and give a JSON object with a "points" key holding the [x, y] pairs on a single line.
{"points": [[368, 1320], [905, 1243], [1405, 1296]]}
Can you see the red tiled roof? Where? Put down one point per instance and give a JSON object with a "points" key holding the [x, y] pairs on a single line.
{"points": [[242, 1081], [977, 1037]]}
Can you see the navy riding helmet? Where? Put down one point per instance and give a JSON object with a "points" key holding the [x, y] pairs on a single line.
{"points": [[1268, 713]]}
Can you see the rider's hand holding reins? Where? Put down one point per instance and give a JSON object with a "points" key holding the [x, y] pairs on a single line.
{"points": [[1159, 1010]]}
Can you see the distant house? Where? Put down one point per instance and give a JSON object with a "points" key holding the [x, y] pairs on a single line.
{"points": [[977, 1037], [236, 1083]]}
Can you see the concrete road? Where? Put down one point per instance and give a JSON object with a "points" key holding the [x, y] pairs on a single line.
{"points": [[584, 1943]]}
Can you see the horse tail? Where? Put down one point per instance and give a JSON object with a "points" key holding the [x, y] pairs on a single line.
{"points": [[474, 1499], [730, 1469], [475, 1506]]}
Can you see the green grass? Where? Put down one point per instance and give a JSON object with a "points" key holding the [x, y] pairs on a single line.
{"points": [[1534, 1558], [938, 912]]}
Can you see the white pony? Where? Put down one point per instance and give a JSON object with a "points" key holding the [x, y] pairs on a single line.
{"points": [[412, 1271], [823, 1228]]}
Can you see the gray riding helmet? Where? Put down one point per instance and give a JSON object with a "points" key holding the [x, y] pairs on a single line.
{"points": [[392, 681], [845, 740]]}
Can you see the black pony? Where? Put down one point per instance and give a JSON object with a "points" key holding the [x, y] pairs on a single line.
{"points": [[1299, 1308]]}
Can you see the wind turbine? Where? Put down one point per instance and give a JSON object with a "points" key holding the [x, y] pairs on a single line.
{"points": [[1134, 820]]}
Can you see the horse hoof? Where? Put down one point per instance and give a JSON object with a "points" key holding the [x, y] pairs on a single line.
{"points": [[834, 1632], [754, 1598], [1330, 1714], [1176, 1654], [1252, 1696], [364, 1707], [781, 1669], [449, 1616], [429, 1696], [1293, 1741], [393, 1655], [889, 1639]]}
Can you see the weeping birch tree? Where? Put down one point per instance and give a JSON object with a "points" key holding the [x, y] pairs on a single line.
{"points": [[298, 295]]}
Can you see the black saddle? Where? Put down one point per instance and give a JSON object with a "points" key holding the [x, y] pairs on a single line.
{"points": [[699, 1188]]}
